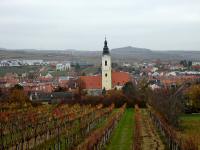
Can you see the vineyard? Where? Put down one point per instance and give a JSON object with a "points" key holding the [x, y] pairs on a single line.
{"points": [[174, 140], [58, 127], [86, 127]]}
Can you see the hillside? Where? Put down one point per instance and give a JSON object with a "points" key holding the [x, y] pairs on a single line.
{"points": [[128, 54]]}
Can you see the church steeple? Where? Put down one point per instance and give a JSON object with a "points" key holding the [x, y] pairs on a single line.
{"points": [[106, 49], [106, 68]]}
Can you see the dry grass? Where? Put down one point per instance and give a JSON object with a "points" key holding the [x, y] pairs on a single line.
{"points": [[190, 125]]}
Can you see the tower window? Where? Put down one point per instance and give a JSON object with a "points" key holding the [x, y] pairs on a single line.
{"points": [[106, 75], [106, 63]]}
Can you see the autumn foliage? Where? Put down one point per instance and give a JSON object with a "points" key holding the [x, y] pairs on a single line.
{"points": [[46, 127], [193, 98], [100, 136]]}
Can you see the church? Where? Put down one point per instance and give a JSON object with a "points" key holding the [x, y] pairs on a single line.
{"points": [[109, 79]]}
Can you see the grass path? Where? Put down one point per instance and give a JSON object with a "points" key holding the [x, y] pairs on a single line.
{"points": [[150, 136], [122, 138]]}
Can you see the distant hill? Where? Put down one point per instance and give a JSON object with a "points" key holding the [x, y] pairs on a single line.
{"points": [[130, 49], [128, 54], [135, 53]]}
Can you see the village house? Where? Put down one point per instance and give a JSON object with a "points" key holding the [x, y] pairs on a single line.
{"points": [[63, 81], [54, 97], [63, 66], [47, 78], [9, 80], [46, 87]]}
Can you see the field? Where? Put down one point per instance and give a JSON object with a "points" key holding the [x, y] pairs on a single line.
{"points": [[190, 125], [19, 70], [58, 126], [83, 127], [90, 70], [78, 127]]}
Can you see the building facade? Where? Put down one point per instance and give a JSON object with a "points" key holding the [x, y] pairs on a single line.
{"points": [[63, 66]]}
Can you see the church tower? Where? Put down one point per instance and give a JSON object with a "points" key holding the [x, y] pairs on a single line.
{"points": [[106, 68]]}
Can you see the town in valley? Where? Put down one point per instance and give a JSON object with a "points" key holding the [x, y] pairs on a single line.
{"points": [[99, 75]]}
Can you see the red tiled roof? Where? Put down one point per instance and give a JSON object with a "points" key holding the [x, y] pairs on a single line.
{"points": [[177, 79], [91, 82], [196, 67], [120, 78], [95, 82]]}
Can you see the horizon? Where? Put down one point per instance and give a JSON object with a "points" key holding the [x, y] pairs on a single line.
{"points": [[74, 49]]}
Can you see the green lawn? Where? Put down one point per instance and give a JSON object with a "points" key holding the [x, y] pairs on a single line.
{"points": [[90, 70], [190, 125], [190, 117], [122, 138]]}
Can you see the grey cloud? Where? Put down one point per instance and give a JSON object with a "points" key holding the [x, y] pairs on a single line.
{"points": [[53, 24]]}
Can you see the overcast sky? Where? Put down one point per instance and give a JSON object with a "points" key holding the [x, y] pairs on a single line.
{"points": [[82, 24]]}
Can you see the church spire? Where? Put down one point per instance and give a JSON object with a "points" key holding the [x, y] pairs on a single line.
{"points": [[106, 49]]}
